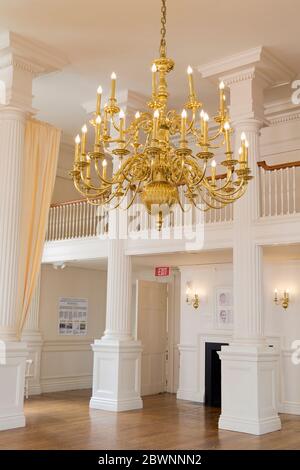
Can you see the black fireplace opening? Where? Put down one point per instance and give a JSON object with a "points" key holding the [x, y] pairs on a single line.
{"points": [[213, 374]]}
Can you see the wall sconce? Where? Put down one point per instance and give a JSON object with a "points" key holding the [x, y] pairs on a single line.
{"points": [[190, 299], [283, 301]]}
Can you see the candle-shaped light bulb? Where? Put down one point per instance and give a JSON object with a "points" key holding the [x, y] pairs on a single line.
{"points": [[191, 81], [83, 139], [104, 167], [113, 86], [202, 113], [243, 136], [97, 129], [153, 68], [98, 104], [155, 124], [137, 115], [183, 124], [222, 102], [77, 144], [205, 128], [246, 150], [213, 172], [227, 138], [122, 124]]}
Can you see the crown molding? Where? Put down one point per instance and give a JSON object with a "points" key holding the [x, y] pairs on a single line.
{"points": [[29, 55], [273, 70], [281, 111]]}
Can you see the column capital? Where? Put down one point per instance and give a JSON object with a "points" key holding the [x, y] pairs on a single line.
{"points": [[21, 60], [248, 74]]}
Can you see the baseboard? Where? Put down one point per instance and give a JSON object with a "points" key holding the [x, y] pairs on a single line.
{"points": [[258, 427], [189, 395], [35, 390], [62, 384], [116, 405], [12, 422], [292, 408]]}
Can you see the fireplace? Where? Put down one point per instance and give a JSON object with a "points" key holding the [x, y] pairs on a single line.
{"points": [[212, 395]]}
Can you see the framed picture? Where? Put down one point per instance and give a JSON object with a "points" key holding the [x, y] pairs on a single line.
{"points": [[224, 308]]}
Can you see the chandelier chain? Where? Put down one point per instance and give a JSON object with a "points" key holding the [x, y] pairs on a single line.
{"points": [[163, 28]]}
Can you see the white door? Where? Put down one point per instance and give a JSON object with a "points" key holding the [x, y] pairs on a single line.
{"points": [[152, 331]]}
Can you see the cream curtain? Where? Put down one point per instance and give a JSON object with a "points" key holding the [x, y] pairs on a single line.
{"points": [[40, 164]]}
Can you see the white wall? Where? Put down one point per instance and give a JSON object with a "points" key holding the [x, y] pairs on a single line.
{"points": [[67, 361], [286, 324], [199, 326], [282, 327]]}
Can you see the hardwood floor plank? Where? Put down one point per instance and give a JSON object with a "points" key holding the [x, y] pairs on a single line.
{"points": [[64, 421]]}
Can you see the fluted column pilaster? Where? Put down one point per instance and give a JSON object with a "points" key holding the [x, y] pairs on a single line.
{"points": [[12, 133], [118, 313], [247, 255]]}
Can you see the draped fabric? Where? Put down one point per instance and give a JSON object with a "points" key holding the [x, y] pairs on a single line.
{"points": [[40, 163]]}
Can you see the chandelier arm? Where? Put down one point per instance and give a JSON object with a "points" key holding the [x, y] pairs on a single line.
{"points": [[104, 180], [134, 196], [193, 163], [219, 192], [209, 204]]}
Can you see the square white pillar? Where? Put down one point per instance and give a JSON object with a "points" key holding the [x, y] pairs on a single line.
{"points": [[12, 373], [116, 375], [249, 389]]}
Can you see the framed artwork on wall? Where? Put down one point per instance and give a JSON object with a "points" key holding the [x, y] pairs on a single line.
{"points": [[224, 308]]}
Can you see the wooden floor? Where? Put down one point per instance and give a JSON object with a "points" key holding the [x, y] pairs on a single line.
{"points": [[64, 421]]}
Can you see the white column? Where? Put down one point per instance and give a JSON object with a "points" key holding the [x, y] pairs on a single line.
{"points": [[12, 131], [117, 356], [13, 353], [32, 336], [21, 61], [118, 321], [249, 366]]}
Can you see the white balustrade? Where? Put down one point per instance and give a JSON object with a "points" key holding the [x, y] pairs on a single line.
{"points": [[279, 189]]}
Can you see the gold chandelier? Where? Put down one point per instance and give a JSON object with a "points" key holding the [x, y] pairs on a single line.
{"points": [[148, 165]]}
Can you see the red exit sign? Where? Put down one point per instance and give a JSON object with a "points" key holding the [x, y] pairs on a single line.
{"points": [[162, 271]]}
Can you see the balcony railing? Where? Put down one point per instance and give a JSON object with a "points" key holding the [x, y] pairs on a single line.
{"points": [[279, 189], [279, 195]]}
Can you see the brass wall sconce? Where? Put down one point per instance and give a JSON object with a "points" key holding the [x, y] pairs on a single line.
{"points": [[284, 300], [193, 300]]}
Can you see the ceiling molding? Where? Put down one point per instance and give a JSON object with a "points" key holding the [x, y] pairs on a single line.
{"points": [[281, 111], [270, 67], [29, 54]]}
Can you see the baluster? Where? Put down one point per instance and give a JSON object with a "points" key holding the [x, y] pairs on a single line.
{"points": [[56, 222], [85, 229], [294, 190], [287, 171], [276, 192], [270, 192], [76, 220], [48, 234], [263, 191], [281, 194]]}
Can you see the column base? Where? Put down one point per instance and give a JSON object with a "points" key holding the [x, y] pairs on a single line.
{"points": [[12, 374], [249, 389], [116, 375]]}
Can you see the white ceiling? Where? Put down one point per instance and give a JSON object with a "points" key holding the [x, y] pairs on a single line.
{"points": [[100, 36]]}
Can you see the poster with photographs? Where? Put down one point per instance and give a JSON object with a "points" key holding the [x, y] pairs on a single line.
{"points": [[224, 307], [72, 316]]}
